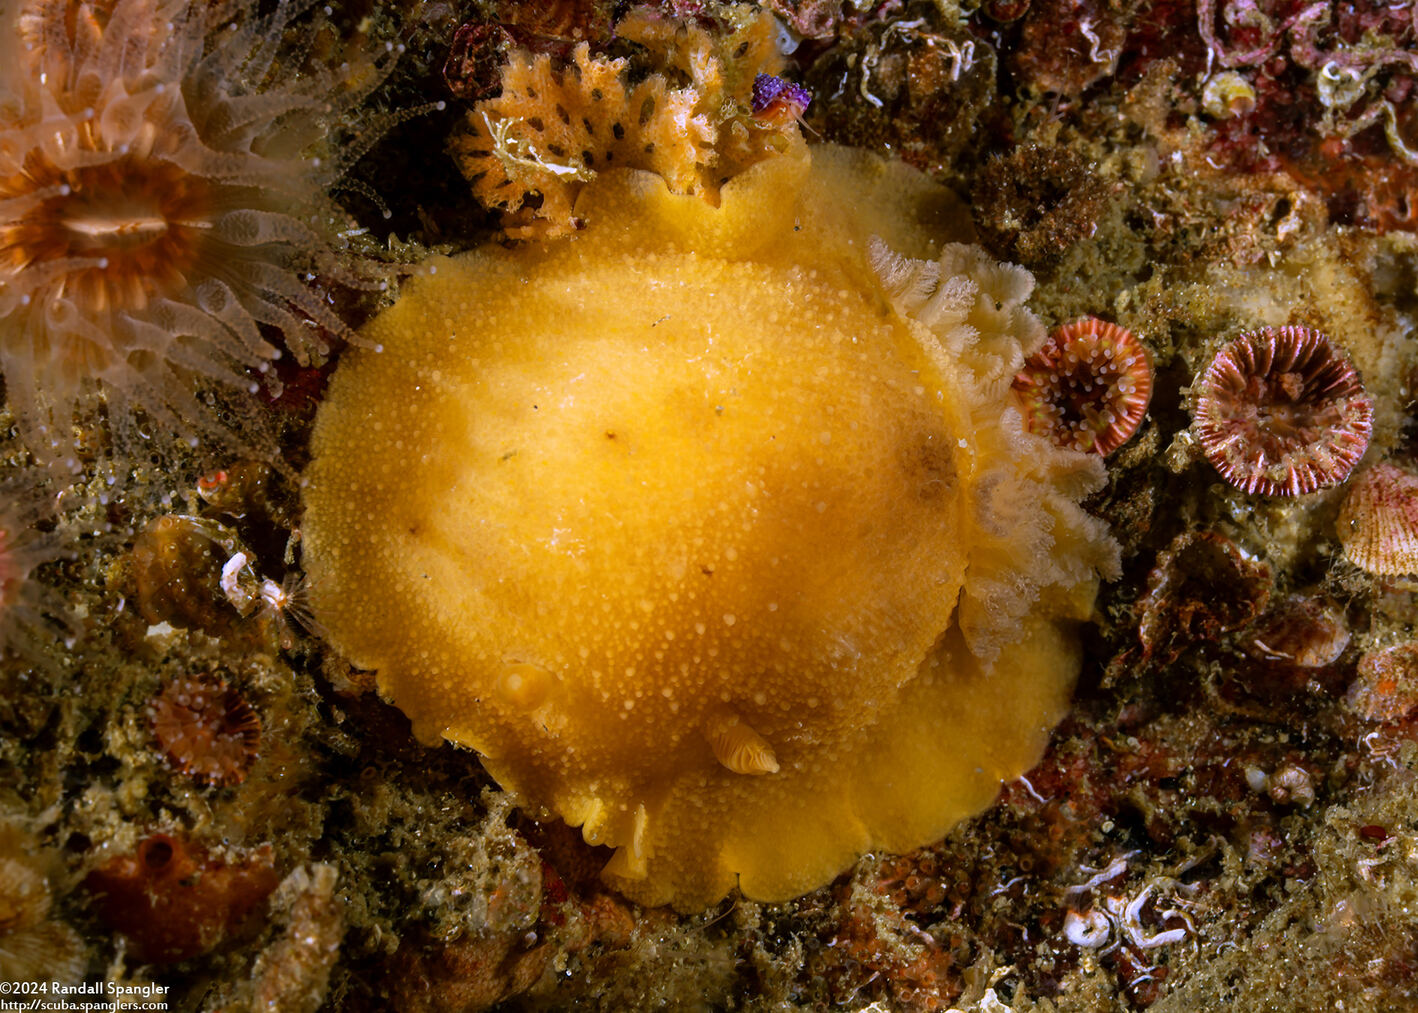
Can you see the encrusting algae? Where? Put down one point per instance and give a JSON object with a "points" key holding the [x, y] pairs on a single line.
{"points": [[715, 530]]}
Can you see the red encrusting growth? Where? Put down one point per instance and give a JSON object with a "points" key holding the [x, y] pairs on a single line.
{"points": [[173, 899], [206, 729], [1088, 387], [1282, 412]]}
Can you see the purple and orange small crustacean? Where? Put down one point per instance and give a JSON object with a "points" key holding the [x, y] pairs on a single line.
{"points": [[1087, 388], [1281, 411], [777, 102]]}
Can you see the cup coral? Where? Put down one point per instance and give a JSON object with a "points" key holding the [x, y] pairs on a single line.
{"points": [[715, 529], [1282, 412], [206, 728], [162, 199], [1088, 388]]}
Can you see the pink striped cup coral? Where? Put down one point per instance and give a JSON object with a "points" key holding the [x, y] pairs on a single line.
{"points": [[1282, 412], [1087, 388], [163, 177]]}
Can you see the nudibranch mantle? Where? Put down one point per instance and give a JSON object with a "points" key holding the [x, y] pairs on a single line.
{"points": [[713, 529]]}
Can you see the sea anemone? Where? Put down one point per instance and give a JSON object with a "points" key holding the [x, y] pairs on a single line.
{"points": [[32, 618], [1378, 524], [1088, 387], [1282, 412], [163, 209]]}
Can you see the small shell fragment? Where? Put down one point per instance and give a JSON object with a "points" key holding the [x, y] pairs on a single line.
{"points": [[1301, 631], [1228, 95], [1378, 524]]}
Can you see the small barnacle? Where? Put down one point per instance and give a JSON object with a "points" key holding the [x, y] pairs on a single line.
{"points": [[1088, 387], [1290, 783], [1378, 523], [206, 728], [1282, 412], [1227, 94], [777, 102], [1385, 688], [173, 899], [286, 608]]}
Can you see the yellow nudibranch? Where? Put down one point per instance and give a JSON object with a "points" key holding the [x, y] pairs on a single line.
{"points": [[714, 529]]}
